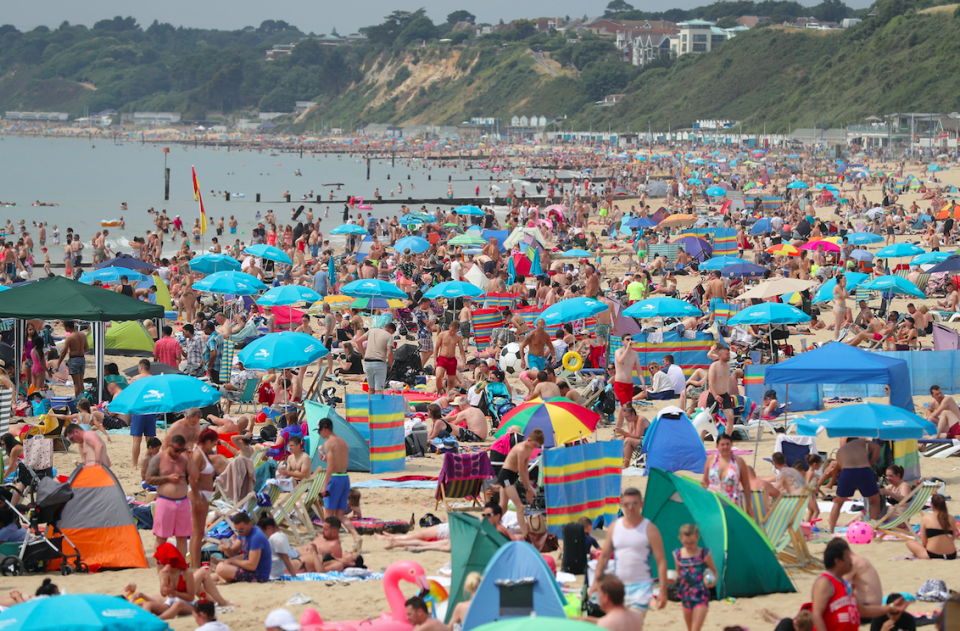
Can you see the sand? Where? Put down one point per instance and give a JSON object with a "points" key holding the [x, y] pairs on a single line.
{"points": [[366, 599]]}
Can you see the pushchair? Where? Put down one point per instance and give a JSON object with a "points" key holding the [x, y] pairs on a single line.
{"points": [[406, 365], [495, 403], [41, 546], [406, 323]]}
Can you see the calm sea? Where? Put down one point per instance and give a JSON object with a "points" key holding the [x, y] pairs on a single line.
{"points": [[90, 181]]}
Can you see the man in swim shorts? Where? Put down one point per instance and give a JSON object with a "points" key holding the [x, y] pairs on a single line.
{"points": [[855, 460], [538, 346], [444, 355], [625, 362], [74, 348], [336, 485], [514, 469], [172, 472]]}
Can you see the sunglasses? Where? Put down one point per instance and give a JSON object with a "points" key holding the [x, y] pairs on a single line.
{"points": [[630, 504], [178, 450], [488, 514]]}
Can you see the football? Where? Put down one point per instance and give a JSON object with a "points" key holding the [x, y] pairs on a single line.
{"points": [[510, 358]]}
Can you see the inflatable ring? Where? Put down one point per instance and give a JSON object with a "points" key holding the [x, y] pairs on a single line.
{"points": [[572, 361]]}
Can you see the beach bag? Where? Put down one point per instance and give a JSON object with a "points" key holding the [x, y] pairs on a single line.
{"points": [[38, 453], [574, 559]]}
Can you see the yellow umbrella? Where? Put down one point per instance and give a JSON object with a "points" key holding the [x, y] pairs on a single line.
{"points": [[335, 302], [783, 249]]}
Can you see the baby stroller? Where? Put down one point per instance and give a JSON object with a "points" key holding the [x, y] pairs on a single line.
{"points": [[406, 365], [495, 403], [406, 323], [41, 546]]}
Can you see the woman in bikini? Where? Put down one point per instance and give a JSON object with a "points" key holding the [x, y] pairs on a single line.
{"points": [[201, 494], [938, 533], [727, 474]]}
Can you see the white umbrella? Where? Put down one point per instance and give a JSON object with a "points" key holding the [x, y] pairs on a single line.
{"points": [[776, 287]]}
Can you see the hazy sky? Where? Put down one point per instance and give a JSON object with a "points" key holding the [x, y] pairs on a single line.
{"points": [[308, 15]]}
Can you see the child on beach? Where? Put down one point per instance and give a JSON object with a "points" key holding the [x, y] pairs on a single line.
{"points": [[587, 535], [692, 563], [353, 504], [153, 448]]}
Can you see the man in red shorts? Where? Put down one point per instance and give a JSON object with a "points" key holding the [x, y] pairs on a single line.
{"points": [[625, 362], [445, 357], [171, 471]]}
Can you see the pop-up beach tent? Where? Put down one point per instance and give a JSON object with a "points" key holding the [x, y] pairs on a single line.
{"points": [[745, 560], [373, 431], [516, 583], [673, 444], [99, 523], [473, 542], [125, 338]]}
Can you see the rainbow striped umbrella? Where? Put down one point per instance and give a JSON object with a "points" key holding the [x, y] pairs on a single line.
{"points": [[561, 420], [377, 303]]}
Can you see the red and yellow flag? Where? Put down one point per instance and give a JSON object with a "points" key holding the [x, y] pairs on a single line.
{"points": [[199, 199]]}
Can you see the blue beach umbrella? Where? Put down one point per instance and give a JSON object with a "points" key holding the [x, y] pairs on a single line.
{"points": [[861, 255], [716, 191], [111, 275], [694, 181], [825, 293], [769, 313], [572, 310], [350, 228], [867, 420], [639, 223], [894, 284], [416, 244], [127, 261], [270, 253], [160, 394], [80, 612], [863, 238], [212, 263], [743, 270], [236, 283], [949, 264], [661, 307], [453, 289], [471, 211], [797, 185], [720, 262], [898, 250], [577, 253], [416, 218], [931, 257], [288, 295], [372, 288], [277, 351]]}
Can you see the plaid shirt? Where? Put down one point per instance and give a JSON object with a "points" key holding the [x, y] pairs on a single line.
{"points": [[194, 350]]}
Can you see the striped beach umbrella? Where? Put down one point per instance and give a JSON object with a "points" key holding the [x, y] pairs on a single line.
{"points": [[561, 420]]}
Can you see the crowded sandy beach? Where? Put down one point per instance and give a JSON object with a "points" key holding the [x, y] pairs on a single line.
{"points": [[730, 366]]}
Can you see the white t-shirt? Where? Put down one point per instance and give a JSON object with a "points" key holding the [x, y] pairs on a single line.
{"points": [[455, 268], [677, 377], [216, 625], [279, 544]]}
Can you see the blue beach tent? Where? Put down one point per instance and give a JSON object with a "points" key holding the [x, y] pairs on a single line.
{"points": [[672, 444]]}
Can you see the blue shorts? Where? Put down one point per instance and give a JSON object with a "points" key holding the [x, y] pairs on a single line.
{"points": [[143, 425], [536, 362], [862, 479], [638, 595], [337, 490]]}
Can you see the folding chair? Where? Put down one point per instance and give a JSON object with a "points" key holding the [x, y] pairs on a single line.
{"points": [[779, 522], [462, 477], [6, 398], [311, 499], [901, 514], [249, 394], [759, 502], [940, 448], [246, 505], [288, 507]]}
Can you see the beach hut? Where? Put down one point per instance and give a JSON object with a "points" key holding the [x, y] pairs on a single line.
{"points": [[129, 339], [672, 443], [473, 542], [516, 583], [373, 431], [745, 560], [99, 523]]}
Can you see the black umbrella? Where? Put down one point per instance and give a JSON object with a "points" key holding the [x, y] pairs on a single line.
{"points": [[949, 264], [126, 261], [156, 368]]}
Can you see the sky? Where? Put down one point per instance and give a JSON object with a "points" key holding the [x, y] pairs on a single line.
{"points": [[307, 15]]}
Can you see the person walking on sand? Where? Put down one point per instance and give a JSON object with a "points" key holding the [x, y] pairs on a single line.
{"points": [[445, 357], [718, 382], [855, 461], [172, 472], [692, 564], [74, 348], [840, 296], [633, 538], [515, 469], [335, 452], [626, 362]]}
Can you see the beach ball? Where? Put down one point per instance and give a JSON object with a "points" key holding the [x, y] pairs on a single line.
{"points": [[859, 532]]}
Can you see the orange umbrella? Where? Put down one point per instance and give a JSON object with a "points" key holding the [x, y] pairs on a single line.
{"points": [[950, 210], [680, 219], [783, 249]]}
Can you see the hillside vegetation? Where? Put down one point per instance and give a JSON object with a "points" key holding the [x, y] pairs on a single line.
{"points": [[409, 70]]}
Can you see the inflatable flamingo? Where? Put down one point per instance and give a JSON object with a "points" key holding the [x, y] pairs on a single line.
{"points": [[396, 620], [361, 205]]}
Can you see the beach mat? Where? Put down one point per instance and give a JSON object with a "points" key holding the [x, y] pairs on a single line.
{"points": [[386, 484], [337, 577]]}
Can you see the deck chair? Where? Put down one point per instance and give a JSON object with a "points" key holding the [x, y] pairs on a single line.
{"points": [[249, 394], [780, 521], [246, 505], [462, 477], [6, 399], [758, 499], [940, 448], [311, 499], [287, 508], [900, 515], [797, 554]]}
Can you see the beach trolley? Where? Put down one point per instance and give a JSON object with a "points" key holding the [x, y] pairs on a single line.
{"points": [[41, 548]]}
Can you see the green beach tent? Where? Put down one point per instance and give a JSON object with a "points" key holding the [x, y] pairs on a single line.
{"points": [[473, 542], [746, 563], [126, 338], [359, 454]]}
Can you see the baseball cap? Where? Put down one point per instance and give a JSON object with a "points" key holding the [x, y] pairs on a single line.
{"points": [[283, 619]]}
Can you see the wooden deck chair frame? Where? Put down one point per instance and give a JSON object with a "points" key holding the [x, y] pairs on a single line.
{"points": [[461, 489], [310, 499], [246, 505], [287, 509], [780, 519], [944, 449], [797, 554], [912, 504]]}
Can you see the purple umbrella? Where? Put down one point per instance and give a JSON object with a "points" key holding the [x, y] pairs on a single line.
{"points": [[695, 247]]}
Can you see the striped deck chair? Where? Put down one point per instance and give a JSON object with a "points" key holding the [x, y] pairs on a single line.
{"points": [[896, 521], [309, 500], [246, 505], [287, 507], [759, 500], [463, 477], [6, 411], [921, 281], [723, 311], [863, 294], [780, 519], [797, 554]]}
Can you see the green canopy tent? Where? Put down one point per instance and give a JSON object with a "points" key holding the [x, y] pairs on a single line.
{"points": [[129, 338], [60, 298], [746, 562], [473, 542]]}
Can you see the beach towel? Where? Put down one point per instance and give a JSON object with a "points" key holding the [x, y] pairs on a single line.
{"points": [[469, 466], [226, 357], [335, 577], [384, 484], [238, 479]]}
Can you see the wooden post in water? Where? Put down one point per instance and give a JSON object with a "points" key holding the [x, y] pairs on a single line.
{"points": [[368, 168]]}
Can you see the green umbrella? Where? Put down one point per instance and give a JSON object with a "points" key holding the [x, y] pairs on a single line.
{"points": [[467, 239]]}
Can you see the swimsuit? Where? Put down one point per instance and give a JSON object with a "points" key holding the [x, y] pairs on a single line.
{"points": [[730, 484], [536, 362], [691, 588], [337, 490], [447, 363], [623, 391], [506, 477], [860, 479]]}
